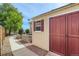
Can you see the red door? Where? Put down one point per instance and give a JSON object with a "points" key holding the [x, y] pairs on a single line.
{"points": [[73, 33], [57, 34], [64, 34]]}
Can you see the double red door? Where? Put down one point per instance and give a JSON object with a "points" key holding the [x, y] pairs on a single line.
{"points": [[64, 34]]}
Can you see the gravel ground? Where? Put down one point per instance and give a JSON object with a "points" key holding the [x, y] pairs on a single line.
{"points": [[6, 49]]}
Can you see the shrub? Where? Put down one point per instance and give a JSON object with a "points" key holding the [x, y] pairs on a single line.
{"points": [[27, 31], [21, 31]]}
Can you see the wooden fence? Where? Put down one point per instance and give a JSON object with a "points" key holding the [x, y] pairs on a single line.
{"points": [[2, 37]]}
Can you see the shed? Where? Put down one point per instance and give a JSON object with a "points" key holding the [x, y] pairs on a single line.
{"points": [[58, 30]]}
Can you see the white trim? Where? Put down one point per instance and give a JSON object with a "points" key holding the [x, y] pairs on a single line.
{"points": [[38, 31], [63, 13]]}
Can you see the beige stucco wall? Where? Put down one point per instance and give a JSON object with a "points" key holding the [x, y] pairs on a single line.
{"points": [[41, 39]]}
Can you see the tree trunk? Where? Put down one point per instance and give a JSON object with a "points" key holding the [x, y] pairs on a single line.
{"points": [[5, 32], [10, 31]]}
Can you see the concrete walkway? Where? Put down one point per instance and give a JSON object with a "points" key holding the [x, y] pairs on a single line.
{"points": [[19, 49], [14, 45]]}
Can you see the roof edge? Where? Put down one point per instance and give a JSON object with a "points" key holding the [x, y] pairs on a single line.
{"points": [[54, 10]]}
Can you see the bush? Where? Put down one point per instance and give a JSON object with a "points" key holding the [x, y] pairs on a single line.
{"points": [[27, 31], [21, 31]]}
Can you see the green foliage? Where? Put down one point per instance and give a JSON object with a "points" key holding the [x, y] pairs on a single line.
{"points": [[27, 31], [21, 31], [10, 18]]}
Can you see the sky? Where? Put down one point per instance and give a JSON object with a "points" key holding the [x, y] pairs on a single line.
{"points": [[30, 10]]}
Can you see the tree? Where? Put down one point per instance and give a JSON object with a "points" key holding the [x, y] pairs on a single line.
{"points": [[11, 18], [27, 31]]}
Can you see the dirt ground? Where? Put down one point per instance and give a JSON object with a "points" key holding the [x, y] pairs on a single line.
{"points": [[6, 49]]}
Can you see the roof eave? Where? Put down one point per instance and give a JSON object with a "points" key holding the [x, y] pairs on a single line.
{"points": [[66, 6]]}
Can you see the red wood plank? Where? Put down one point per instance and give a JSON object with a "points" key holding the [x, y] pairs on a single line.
{"points": [[57, 34], [73, 34], [64, 34]]}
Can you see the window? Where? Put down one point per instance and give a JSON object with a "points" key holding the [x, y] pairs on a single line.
{"points": [[38, 25]]}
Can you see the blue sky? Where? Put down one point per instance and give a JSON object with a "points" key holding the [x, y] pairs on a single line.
{"points": [[30, 10]]}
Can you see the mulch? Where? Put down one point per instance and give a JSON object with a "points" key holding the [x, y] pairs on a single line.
{"points": [[23, 42]]}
